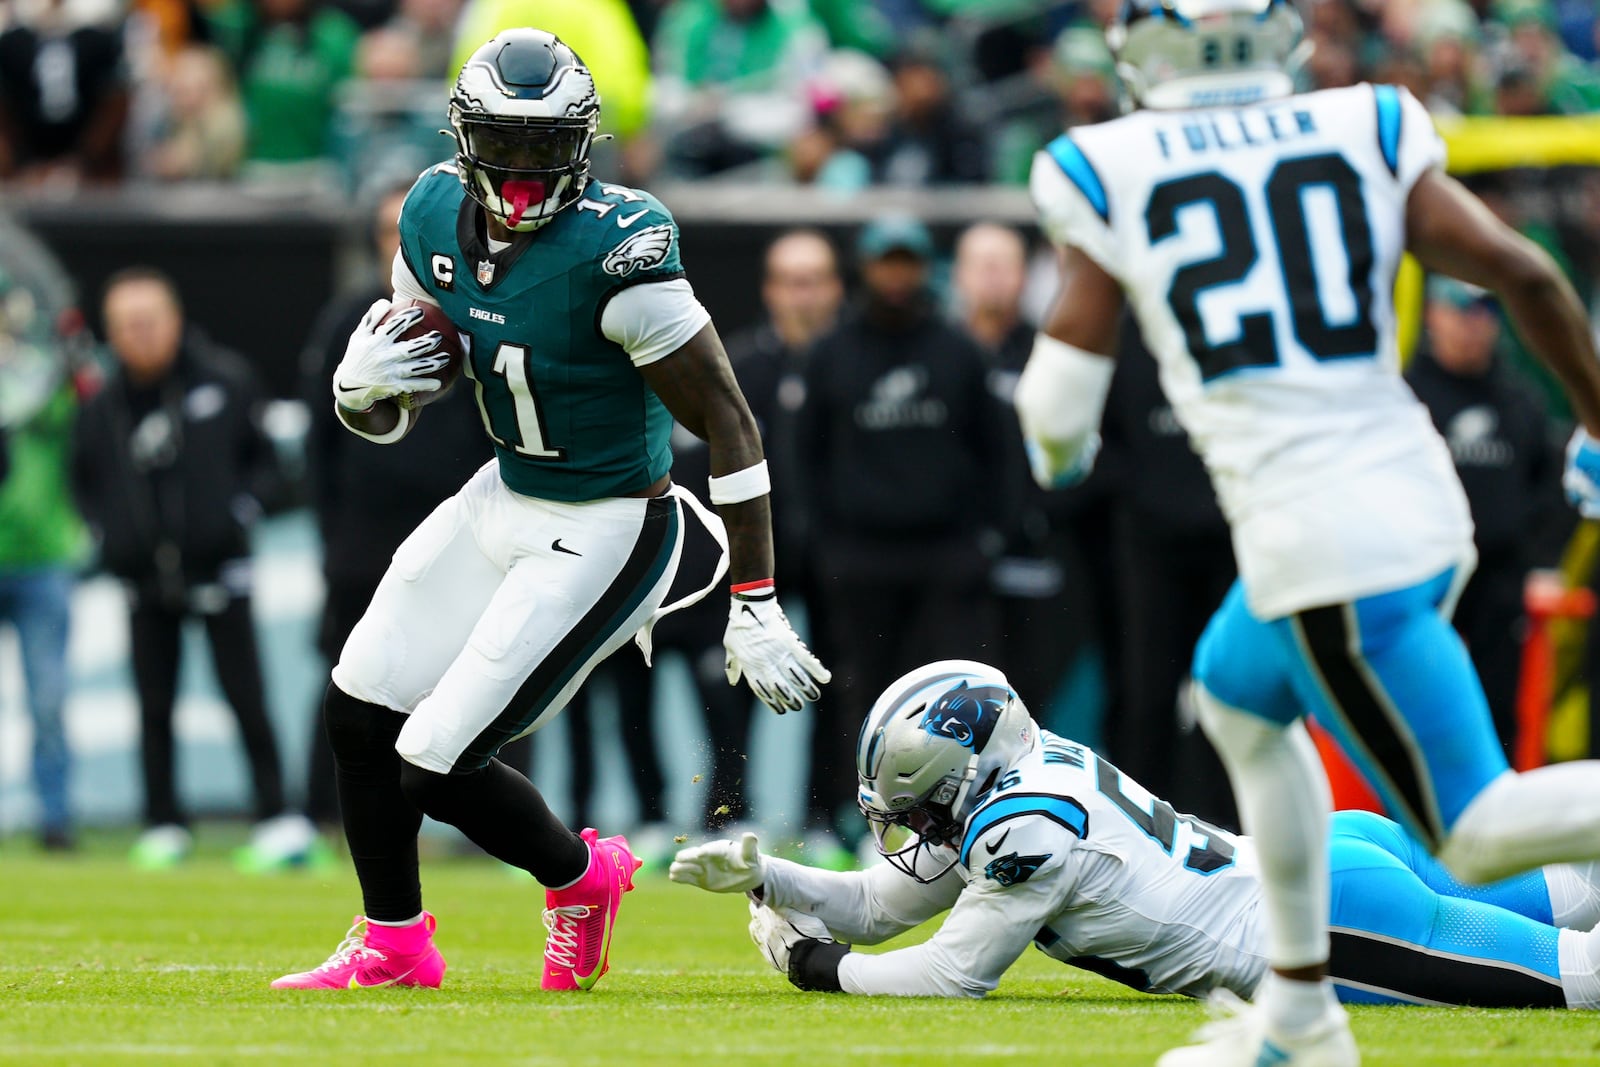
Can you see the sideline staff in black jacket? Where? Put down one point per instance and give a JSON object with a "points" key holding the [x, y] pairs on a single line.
{"points": [[902, 449], [171, 466]]}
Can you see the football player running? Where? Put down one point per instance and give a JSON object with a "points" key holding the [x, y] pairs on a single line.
{"points": [[1255, 234], [584, 343], [1026, 836]]}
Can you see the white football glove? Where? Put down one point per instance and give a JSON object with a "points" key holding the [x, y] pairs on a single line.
{"points": [[377, 365], [777, 930], [721, 866], [1581, 479], [764, 649]]}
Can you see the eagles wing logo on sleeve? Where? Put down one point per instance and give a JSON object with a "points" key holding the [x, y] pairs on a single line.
{"points": [[643, 250], [1012, 869]]}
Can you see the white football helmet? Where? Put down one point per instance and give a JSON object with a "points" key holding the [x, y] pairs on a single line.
{"points": [[936, 740], [1207, 53], [524, 112]]}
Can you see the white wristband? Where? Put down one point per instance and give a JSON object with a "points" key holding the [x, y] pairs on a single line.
{"points": [[740, 486], [1062, 392]]}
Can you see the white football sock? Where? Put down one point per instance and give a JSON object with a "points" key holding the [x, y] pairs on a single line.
{"points": [[1284, 804], [407, 922], [1523, 821], [1579, 955], [1574, 894], [1293, 1006]]}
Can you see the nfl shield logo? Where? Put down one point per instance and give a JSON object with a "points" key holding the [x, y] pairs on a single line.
{"points": [[485, 272]]}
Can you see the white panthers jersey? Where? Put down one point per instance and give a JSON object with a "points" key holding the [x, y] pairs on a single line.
{"points": [[1258, 247], [1066, 853]]}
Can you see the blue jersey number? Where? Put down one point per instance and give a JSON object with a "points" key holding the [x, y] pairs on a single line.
{"points": [[1256, 342]]}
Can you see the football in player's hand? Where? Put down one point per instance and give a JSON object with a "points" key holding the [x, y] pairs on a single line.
{"points": [[433, 318]]}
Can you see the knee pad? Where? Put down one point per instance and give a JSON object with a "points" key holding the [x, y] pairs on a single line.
{"points": [[357, 729], [371, 658], [422, 745]]}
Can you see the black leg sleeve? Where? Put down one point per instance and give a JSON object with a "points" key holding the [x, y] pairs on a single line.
{"points": [[579, 715], [322, 797], [380, 823], [502, 813], [636, 723]]}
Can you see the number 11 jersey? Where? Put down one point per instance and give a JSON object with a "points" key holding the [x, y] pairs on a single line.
{"points": [[1258, 247], [556, 380]]}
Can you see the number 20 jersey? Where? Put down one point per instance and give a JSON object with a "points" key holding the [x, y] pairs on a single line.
{"points": [[1257, 247]]}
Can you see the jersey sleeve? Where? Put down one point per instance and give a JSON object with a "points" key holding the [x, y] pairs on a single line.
{"points": [[638, 240], [653, 321], [860, 907], [412, 273], [1023, 865], [994, 920], [1410, 144], [1018, 839], [1071, 201], [406, 285]]}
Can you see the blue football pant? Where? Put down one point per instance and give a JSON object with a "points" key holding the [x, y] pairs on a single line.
{"points": [[1386, 675], [1405, 931]]}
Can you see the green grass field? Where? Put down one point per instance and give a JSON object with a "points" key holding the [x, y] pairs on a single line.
{"points": [[100, 964]]}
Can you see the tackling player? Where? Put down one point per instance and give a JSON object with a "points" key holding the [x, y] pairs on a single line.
{"points": [[1029, 837], [584, 343], [1255, 234]]}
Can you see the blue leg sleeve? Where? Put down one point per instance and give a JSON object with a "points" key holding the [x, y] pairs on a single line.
{"points": [[1526, 894], [1396, 939]]}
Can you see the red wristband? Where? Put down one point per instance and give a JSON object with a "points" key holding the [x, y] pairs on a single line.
{"points": [[765, 585]]}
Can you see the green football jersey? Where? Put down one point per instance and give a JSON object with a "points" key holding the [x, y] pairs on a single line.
{"points": [[570, 415]]}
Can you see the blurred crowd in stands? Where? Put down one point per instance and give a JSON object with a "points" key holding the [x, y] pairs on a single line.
{"points": [[834, 93]]}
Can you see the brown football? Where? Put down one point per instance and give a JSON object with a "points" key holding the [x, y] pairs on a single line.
{"points": [[433, 318]]}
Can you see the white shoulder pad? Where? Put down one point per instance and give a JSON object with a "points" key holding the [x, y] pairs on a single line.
{"points": [[1072, 202], [1018, 836]]}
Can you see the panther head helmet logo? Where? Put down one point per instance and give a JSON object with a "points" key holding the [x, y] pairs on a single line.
{"points": [[966, 715]]}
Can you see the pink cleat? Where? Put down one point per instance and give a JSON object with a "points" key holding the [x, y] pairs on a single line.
{"points": [[579, 918], [383, 955]]}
